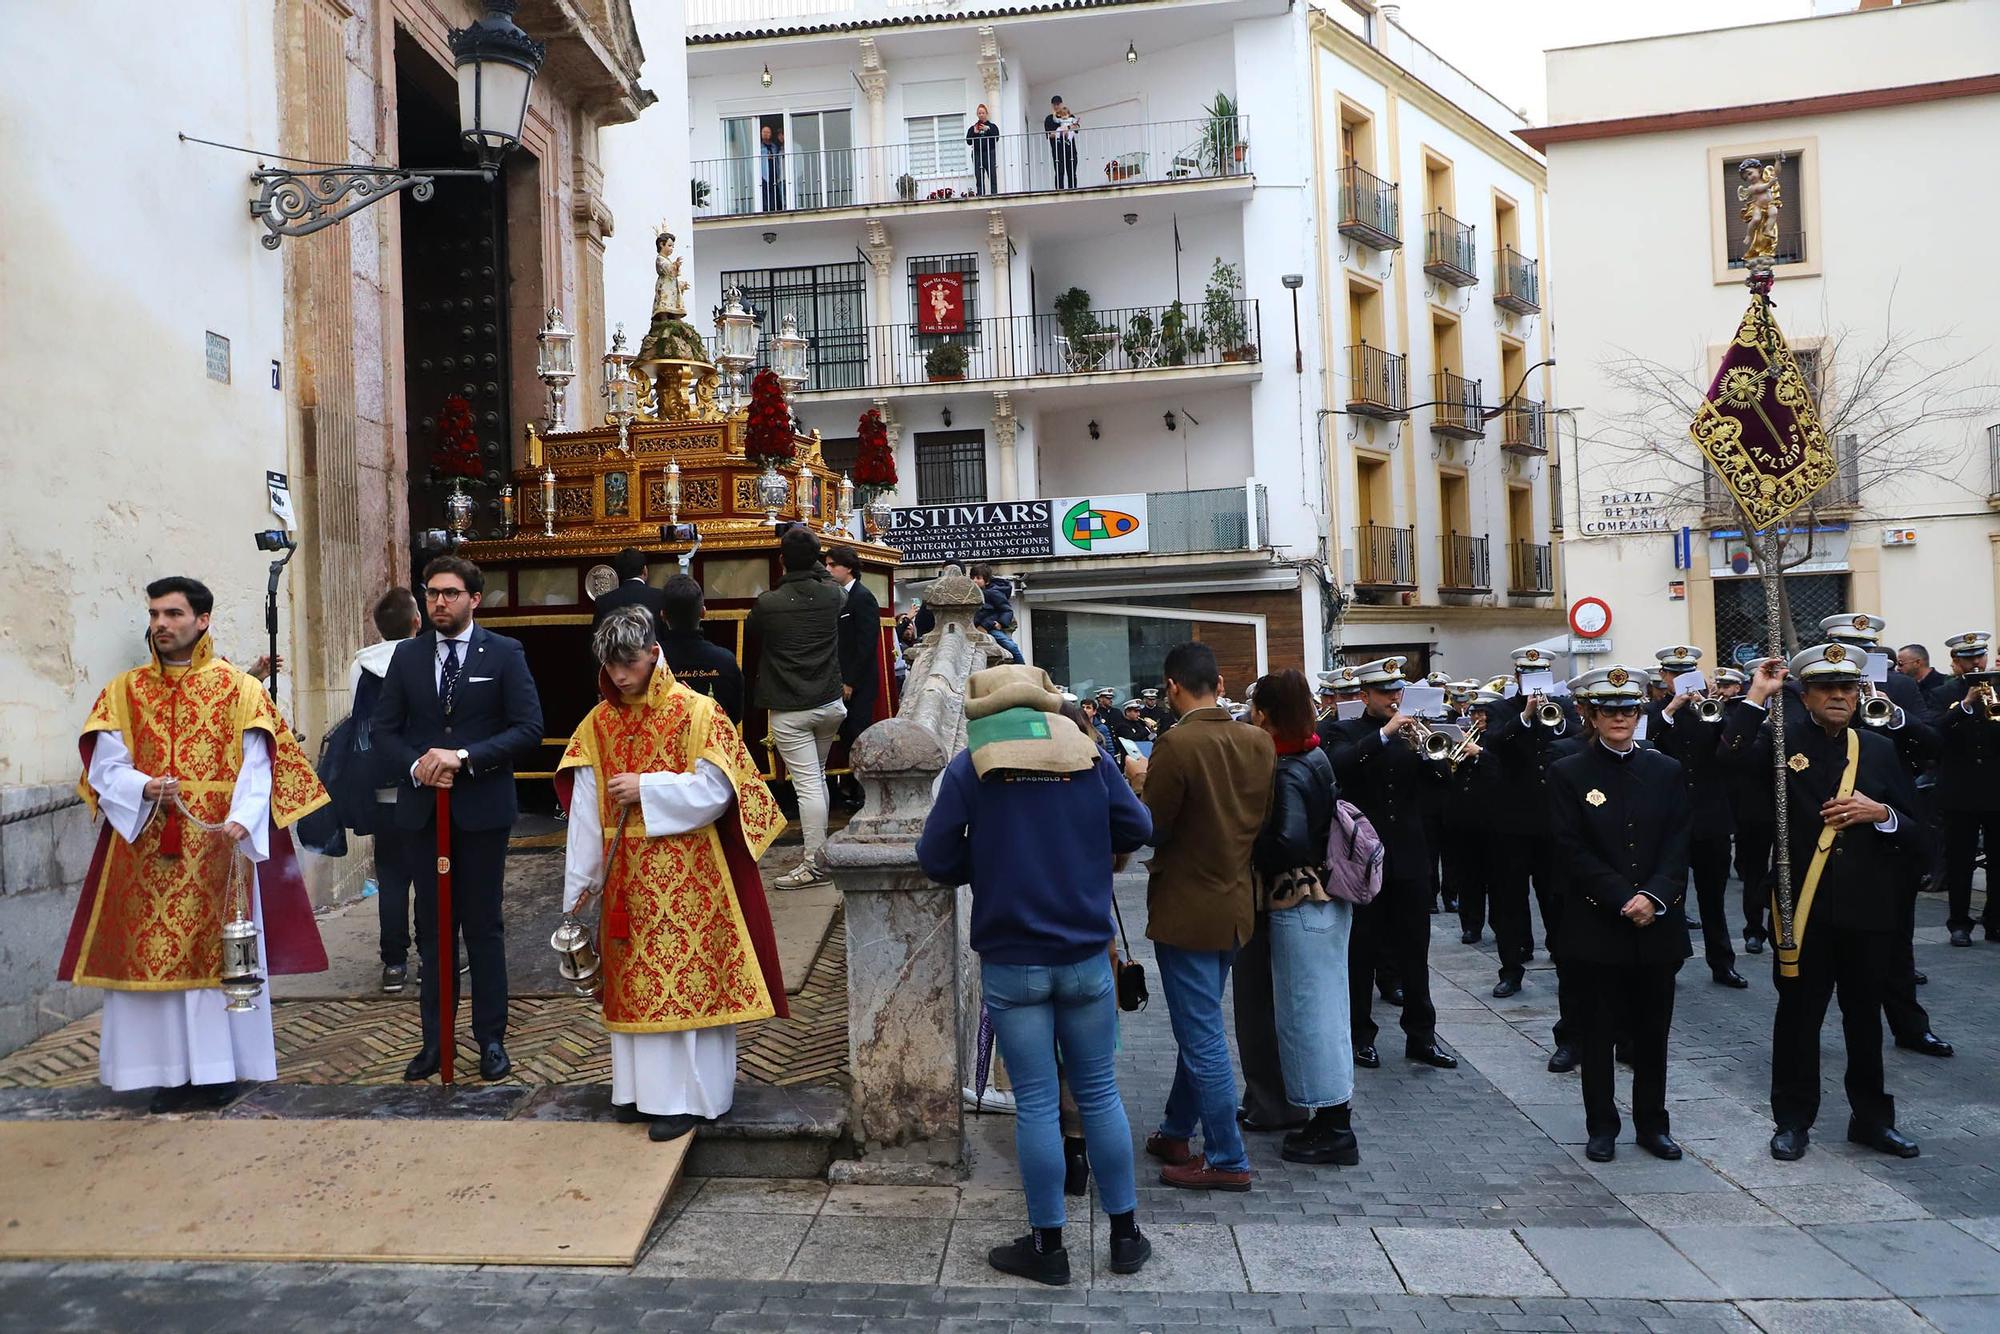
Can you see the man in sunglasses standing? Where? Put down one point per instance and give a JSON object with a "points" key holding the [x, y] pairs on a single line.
{"points": [[457, 710]]}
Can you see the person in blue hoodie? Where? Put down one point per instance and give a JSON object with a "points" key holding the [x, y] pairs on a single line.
{"points": [[1042, 927], [996, 614]]}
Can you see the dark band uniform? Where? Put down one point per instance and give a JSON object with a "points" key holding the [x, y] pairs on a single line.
{"points": [[1968, 790], [1388, 780], [1685, 737], [1622, 827], [1846, 943]]}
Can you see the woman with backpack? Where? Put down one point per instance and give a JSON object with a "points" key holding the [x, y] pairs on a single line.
{"points": [[1305, 921]]}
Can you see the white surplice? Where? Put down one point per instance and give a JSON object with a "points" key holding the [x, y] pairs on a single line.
{"points": [[692, 1072], [163, 1039]]}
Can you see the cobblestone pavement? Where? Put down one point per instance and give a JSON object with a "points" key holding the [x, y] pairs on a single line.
{"points": [[1473, 1208]]}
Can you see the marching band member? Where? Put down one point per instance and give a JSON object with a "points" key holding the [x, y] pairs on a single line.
{"points": [[1968, 789], [1622, 828], [1681, 732], [1850, 821]]}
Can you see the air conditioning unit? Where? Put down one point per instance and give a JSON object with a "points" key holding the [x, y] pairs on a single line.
{"points": [[1899, 537]]}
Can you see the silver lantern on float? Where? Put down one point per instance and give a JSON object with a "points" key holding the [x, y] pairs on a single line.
{"points": [[242, 980]]}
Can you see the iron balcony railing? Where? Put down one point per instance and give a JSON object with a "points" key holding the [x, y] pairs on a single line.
{"points": [[1524, 428], [1132, 338], [1533, 572], [1185, 522], [1449, 253], [1790, 247], [1378, 382], [1468, 565], [1556, 494], [1385, 557], [1456, 409], [1517, 283], [1097, 157], [1993, 464], [1371, 209]]}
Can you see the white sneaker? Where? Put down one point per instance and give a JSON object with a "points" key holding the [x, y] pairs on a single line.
{"points": [[803, 876], [994, 1100]]}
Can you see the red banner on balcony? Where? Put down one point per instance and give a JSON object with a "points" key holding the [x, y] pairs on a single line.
{"points": [[941, 303]]}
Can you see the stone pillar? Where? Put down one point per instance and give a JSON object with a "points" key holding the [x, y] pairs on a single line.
{"points": [[1014, 345], [990, 70], [882, 345], [905, 977], [1006, 426], [874, 81]]}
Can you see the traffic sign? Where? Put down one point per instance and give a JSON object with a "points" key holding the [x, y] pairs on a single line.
{"points": [[1590, 617]]}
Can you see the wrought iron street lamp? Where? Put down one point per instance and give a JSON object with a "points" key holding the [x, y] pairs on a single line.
{"points": [[555, 364], [496, 65]]}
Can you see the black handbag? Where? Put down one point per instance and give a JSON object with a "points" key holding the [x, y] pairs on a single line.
{"points": [[1131, 978]]}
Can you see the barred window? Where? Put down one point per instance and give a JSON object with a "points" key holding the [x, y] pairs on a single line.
{"points": [[951, 467], [1791, 216]]}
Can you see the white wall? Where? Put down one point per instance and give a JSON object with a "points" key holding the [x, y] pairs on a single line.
{"points": [[120, 248], [1136, 452], [646, 177]]}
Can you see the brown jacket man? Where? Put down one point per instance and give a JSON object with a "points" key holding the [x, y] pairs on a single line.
{"points": [[1209, 789]]}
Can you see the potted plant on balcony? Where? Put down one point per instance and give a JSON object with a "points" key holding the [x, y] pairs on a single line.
{"points": [[1180, 338], [700, 191], [1222, 314], [1222, 141], [946, 361], [906, 188], [1141, 340], [1079, 328]]}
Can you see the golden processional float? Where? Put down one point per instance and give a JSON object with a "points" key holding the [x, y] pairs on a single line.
{"points": [[666, 472]]}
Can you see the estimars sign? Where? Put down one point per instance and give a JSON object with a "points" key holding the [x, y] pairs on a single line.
{"points": [[1021, 529]]}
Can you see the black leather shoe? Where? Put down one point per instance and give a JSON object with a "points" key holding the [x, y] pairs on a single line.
{"points": [[1260, 1127], [1729, 977], [1562, 1060], [493, 1062], [1601, 1148], [1930, 1044], [422, 1066], [1367, 1057], [167, 1100], [1022, 1260], [1883, 1139], [1129, 1254], [628, 1114], [1393, 995], [1753, 944], [1505, 987], [1960, 936], [665, 1128], [1788, 1146], [395, 976], [1076, 1167], [1660, 1144], [1920, 979], [1429, 1053], [1692, 924], [1468, 937]]}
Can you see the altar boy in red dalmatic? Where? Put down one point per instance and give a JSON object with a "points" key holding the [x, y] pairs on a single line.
{"points": [[667, 817]]}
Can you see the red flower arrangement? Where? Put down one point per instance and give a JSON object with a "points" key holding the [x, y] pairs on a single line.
{"points": [[457, 451], [874, 461], [768, 437]]}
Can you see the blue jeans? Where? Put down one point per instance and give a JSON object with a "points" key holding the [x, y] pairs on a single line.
{"points": [[1006, 641], [1309, 983], [1204, 1080], [1036, 1009]]}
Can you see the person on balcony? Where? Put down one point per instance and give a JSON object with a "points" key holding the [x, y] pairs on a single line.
{"points": [[984, 137], [1062, 125], [771, 168]]}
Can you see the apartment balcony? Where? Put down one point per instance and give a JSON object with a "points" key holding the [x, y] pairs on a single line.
{"points": [[1449, 252], [1193, 522], [1532, 570], [1385, 558], [1378, 383], [1371, 209], [1456, 410], [1524, 428], [1517, 284], [1100, 158], [1468, 565], [1149, 342]]}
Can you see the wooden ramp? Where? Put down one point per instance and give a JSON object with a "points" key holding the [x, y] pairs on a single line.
{"points": [[444, 1192]]}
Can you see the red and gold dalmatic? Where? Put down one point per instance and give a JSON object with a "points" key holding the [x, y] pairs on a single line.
{"points": [[151, 914], [685, 937]]}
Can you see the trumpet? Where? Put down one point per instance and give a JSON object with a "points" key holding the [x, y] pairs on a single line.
{"points": [[1432, 743], [1709, 710], [1877, 711], [1982, 691], [1547, 712], [1474, 725]]}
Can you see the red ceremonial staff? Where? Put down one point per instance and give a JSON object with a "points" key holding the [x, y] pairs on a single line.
{"points": [[447, 962]]}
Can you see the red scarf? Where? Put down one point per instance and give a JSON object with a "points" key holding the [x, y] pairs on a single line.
{"points": [[1296, 745]]}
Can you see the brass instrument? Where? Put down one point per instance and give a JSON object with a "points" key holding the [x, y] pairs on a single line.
{"points": [[1432, 743], [1982, 691], [1876, 709], [1475, 723], [1709, 709], [1547, 712]]}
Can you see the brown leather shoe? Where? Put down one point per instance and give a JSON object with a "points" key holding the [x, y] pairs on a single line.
{"points": [[1169, 1150], [1198, 1175]]}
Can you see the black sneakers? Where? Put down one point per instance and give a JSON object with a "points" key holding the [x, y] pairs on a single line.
{"points": [[1129, 1254], [1020, 1258]]}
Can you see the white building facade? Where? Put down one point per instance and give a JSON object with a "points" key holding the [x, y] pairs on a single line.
{"points": [[1143, 318], [1871, 116]]}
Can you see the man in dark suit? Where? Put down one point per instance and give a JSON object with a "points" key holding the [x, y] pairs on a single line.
{"points": [[1679, 730], [1850, 806], [695, 662], [632, 591], [458, 709], [1622, 823], [1382, 773]]}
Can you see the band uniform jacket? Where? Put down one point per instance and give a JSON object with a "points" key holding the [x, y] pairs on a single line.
{"points": [[496, 718], [1525, 751], [1865, 867], [1622, 826], [1968, 769], [1697, 745], [860, 639], [1391, 783]]}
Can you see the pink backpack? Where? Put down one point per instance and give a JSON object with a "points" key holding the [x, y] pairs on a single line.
{"points": [[1353, 856]]}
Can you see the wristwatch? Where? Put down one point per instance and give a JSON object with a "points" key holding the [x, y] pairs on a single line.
{"points": [[465, 761]]}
